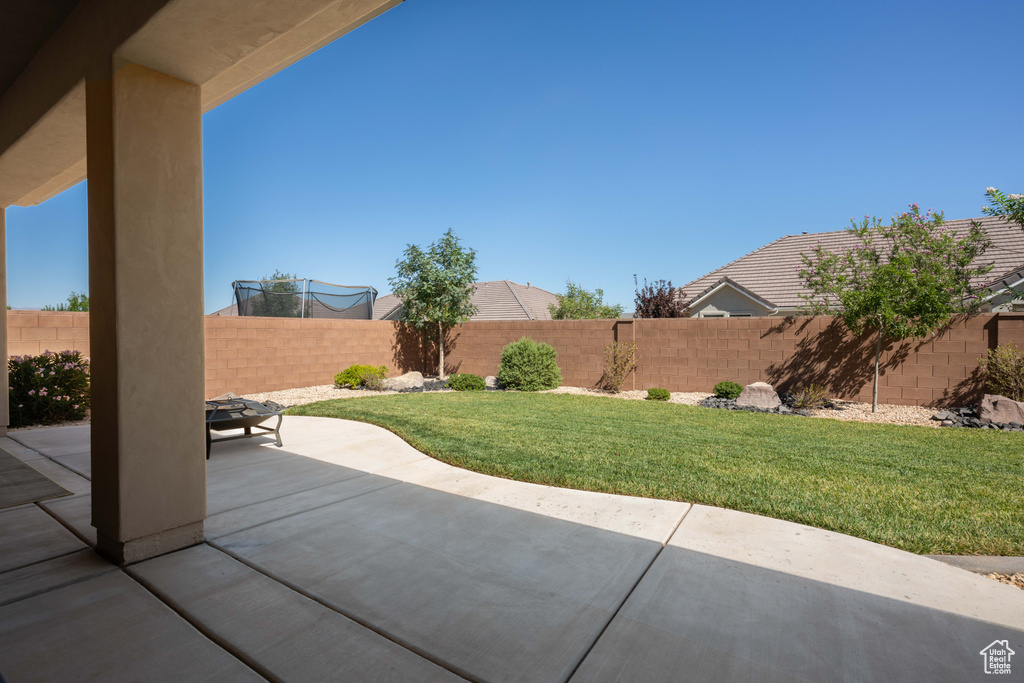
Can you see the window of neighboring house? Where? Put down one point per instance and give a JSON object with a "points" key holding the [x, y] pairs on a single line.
{"points": [[713, 315]]}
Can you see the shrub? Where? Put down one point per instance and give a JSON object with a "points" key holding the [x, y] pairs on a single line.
{"points": [[527, 365], [1004, 371], [52, 387], [813, 396], [620, 359], [356, 375], [658, 394], [728, 390], [466, 382], [373, 378]]}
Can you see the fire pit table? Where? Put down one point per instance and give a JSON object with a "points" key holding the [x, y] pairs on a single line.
{"points": [[234, 412]]}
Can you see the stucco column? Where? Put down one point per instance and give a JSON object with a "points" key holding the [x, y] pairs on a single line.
{"points": [[5, 396], [144, 142]]}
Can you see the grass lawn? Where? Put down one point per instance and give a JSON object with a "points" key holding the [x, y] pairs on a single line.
{"points": [[924, 490]]}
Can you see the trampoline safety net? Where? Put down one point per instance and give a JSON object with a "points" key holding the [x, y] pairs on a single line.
{"points": [[303, 299]]}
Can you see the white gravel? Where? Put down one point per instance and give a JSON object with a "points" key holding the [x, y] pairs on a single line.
{"points": [[856, 412]]}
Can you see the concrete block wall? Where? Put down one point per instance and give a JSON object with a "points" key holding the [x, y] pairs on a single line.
{"points": [[249, 355]]}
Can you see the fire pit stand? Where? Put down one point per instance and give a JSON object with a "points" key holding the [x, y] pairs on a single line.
{"points": [[226, 413]]}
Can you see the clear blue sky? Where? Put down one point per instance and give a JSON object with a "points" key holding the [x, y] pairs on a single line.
{"points": [[587, 139]]}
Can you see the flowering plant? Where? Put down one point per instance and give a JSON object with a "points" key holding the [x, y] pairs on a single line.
{"points": [[1009, 206], [52, 387]]}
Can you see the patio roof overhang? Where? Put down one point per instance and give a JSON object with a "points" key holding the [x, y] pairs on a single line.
{"points": [[224, 47]]}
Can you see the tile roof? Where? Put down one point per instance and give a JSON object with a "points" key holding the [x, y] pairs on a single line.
{"points": [[772, 272], [495, 300]]}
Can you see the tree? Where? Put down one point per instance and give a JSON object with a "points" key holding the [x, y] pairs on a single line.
{"points": [[435, 287], [579, 304], [658, 300], [1009, 206], [904, 280], [77, 302], [281, 299]]}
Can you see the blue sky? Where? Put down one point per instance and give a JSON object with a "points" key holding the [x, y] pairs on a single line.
{"points": [[586, 139]]}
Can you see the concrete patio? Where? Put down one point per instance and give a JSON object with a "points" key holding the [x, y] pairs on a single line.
{"points": [[348, 555]]}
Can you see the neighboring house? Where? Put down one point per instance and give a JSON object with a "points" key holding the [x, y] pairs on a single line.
{"points": [[767, 282], [495, 300]]}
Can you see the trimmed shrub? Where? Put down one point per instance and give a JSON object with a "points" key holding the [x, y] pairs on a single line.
{"points": [[658, 394], [466, 382], [728, 390], [813, 396], [356, 375], [1004, 372], [373, 378], [620, 359], [52, 387], [527, 365]]}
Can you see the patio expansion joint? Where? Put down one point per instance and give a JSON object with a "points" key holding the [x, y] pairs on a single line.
{"points": [[419, 652], [629, 593], [197, 625], [65, 584], [45, 559], [298, 512]]}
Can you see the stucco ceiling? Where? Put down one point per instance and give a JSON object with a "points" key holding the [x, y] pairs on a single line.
{"points": [[25, 25]]}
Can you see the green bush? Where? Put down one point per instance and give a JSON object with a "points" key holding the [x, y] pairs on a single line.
{"points": [[728, 390], [658, 395], [1004, 372], [466, 382], [52, 387], [373, 378], [357, 375], [527, 365], [813, 396]]}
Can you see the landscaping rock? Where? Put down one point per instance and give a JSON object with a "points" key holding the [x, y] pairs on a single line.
{"points": [[943, 416], [410, 381], [493, 383], [999, 409], [759, 395]]}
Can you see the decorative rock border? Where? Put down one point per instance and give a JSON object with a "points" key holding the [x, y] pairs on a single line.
{"points": [[967, 417]]}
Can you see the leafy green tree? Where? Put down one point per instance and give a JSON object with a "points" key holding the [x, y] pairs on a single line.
{"points": [[435, 287], [278, 299], [1009, 206], [580, 304], [907, 279], [77, 302]]}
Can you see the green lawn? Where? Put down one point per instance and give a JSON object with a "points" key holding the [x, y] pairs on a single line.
{"points": [[921, 489]]}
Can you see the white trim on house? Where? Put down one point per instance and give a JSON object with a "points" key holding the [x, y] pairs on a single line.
{"points": [[756, 300]]}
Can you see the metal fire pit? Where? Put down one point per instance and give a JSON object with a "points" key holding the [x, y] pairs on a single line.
{"points": [[232, 412]]}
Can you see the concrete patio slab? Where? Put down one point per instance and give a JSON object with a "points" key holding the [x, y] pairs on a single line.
{"points": [[79, 463], [61, 571], [491, 592], [28, 535], [237, 519], [108, 628], [19, 451], [741, 597], [226, 597], [75, 512], [54, 441]]}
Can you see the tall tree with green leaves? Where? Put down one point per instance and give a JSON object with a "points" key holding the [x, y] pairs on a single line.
{"points": [[435, 287], [1009, 206], [77, 301], [579, 304], [903, 280]]}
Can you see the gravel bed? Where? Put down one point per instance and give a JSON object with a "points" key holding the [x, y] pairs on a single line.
{"points": [[1009, 579], [851, 411]]}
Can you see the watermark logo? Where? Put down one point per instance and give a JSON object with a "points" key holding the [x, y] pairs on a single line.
{"points": [[997, 657]]}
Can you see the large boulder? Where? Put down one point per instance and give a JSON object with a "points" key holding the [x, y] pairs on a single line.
{"points": [[996, 408], [410, 381], [759, 395]]}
